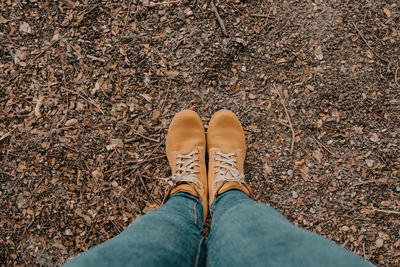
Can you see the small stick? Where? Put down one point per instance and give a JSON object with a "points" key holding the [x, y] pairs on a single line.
{"points": [[324, 147], [395, 77], [145, 137], [260, 15], [145, 187], [50, 45], [91, 101], [288, 118], [220, 21], [383, 180], [365, 41], [138, 162], [5, 136], [153, 4], [387, 211], [96, 58], [127, 13]]}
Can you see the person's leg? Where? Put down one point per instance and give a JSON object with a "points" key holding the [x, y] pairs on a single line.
{"points": [[245, 233], [170, 236]]}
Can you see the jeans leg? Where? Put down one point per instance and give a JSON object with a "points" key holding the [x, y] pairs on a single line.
{"points": [[245, 233], [171, 236]]}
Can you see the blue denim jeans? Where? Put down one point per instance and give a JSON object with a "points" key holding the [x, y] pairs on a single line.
{"points": [[243, 233]]}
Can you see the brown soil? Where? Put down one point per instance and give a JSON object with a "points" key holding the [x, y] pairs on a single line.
{"points": [[88, 89]]}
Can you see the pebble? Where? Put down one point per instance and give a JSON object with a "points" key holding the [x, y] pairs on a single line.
{"points": [[294, 194], [369, 163], [379, 242]]}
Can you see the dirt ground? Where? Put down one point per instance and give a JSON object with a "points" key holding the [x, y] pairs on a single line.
{"points": [[88, 88]]}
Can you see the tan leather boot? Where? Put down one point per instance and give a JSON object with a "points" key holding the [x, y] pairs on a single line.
{"points": [[185, 147], [226, 145]]}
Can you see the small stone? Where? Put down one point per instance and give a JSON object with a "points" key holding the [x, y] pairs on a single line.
{"points": [[294, 194], [290, 172], [379, 242], [369, 163], [312, 210], [68, 232]]}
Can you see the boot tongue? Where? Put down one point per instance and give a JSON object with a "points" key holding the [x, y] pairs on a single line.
{"points": [[233, 186], [185, 188]]}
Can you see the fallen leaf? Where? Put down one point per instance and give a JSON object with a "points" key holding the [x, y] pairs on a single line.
{"points": [[25, 28], [171, 74], [387, 12], [39, 103], [115, 143], [318, 53], [71, 122], [298, 202], [317, 155], [310, 87], [304, 172], [281, 60], [3, 20], [147, 97]]}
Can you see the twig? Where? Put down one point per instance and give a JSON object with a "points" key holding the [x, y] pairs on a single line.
{"points": [[127, 14], [220, 21], [145, 137], [137, 163], [145, 187], [260, 15], [387, 211], [96, 58], [50, 45], [395, 76], [232, 5], [91, 101], [324, 147], [382, 180], [365, 41], [147, 158], [9, 174], [282, 101], [5, 136], [153, 4]]}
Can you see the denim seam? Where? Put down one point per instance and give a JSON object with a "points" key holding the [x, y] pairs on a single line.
{"points": [[196, 257], [200, 237]]}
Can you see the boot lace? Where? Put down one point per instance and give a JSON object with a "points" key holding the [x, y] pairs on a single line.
{"points": [[228, 170], [186, 171]]}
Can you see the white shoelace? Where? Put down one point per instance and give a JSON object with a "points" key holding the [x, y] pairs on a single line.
{"points": [[228, 170], [186, 171]]}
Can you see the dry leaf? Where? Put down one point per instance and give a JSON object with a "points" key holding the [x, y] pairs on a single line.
{"points": [[3, 20], [115, 143], [171, 74], [304, 172], [317, 155], [71, 122], [25, 28], [310, 87], [387, 12], [39, 103], [97, 174], [298, 202], [281, 60], [318, 53], [147, 97]]}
